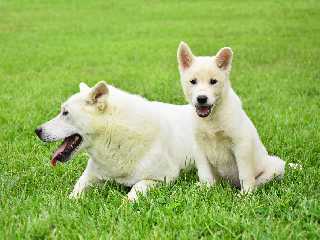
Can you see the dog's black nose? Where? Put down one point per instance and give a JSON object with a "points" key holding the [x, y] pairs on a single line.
{"points": [[202, 99], [38, 131]]}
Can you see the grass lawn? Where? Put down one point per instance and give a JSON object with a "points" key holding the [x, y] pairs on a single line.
{"points": [[48, 47]]}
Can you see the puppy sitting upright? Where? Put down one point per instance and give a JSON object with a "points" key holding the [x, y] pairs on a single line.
{"points": [[224, 133], [128, 138]]}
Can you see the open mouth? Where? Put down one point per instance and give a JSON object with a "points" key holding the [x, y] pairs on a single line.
{"points": [[68, 147], [203, 110]]}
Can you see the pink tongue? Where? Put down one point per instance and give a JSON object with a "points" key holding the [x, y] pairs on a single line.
{"points": [[203, 109], [57, 152]]}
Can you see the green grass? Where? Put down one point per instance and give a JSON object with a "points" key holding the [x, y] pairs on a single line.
{"points": [[46, 49]]}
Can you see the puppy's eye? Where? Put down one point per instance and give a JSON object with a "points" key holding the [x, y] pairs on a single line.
{"points": [[213, 81], [193, 81], [65, 112]]}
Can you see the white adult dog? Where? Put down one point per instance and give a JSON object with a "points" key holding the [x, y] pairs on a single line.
{"points": [[128, 138], [226, 136]]}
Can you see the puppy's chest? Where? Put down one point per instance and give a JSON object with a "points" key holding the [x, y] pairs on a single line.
{"points": [[216, 145]]}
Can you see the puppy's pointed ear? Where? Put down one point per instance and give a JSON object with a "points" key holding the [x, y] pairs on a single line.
{"points": [[83, 87], [224, 58], [98, 91], [185, 56]]}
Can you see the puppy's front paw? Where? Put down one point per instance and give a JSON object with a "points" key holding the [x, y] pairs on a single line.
{"points": [[245, 192], [247, 186], [205, 184]]}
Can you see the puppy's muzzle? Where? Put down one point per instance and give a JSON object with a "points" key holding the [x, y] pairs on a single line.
{"points": [[202, 99]]}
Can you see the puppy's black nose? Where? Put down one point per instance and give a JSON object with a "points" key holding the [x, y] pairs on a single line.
{"points": [[202, 99], [38, 131]]}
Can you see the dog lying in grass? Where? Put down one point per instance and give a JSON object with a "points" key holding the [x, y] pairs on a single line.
{"points": [[226, 136], [128, 138]]}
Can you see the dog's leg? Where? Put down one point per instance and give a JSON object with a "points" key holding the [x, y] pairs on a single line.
{"points": [[246, 166], [205, 172], [88, 177], [140, 187], [275, 168]]}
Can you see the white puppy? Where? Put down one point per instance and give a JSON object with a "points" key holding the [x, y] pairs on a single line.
{"points": [[128, 138], [224, 133]]}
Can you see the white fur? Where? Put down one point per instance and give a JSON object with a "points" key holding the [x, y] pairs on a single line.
{"points": [[128, 138], [227, 137]]}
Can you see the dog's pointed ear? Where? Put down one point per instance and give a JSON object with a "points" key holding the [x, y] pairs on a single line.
{"points": [[83, 87], [224, 58], [185, 56], [98, 91]]}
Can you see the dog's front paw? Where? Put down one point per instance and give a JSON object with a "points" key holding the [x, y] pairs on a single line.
{"points": [[245, 192], [76, 194], [73, 195], [204, 184], [247, 186], [132, 196], [295, 166]]}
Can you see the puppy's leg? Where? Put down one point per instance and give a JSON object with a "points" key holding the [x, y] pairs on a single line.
{"points": [[140, 187], [205, 172], [88, 177], [274, 168], [246, 166]]}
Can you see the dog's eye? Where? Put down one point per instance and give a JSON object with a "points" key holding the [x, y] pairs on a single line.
{"points": [[213, 81], [65, 112], [193, 81]]}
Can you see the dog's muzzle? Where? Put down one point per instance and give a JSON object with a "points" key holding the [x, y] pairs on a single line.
{"points": [[38, 131], [203, 110], [68, 147]]}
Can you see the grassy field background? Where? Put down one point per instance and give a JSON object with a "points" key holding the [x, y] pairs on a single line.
{"points": [[48, 47]]}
